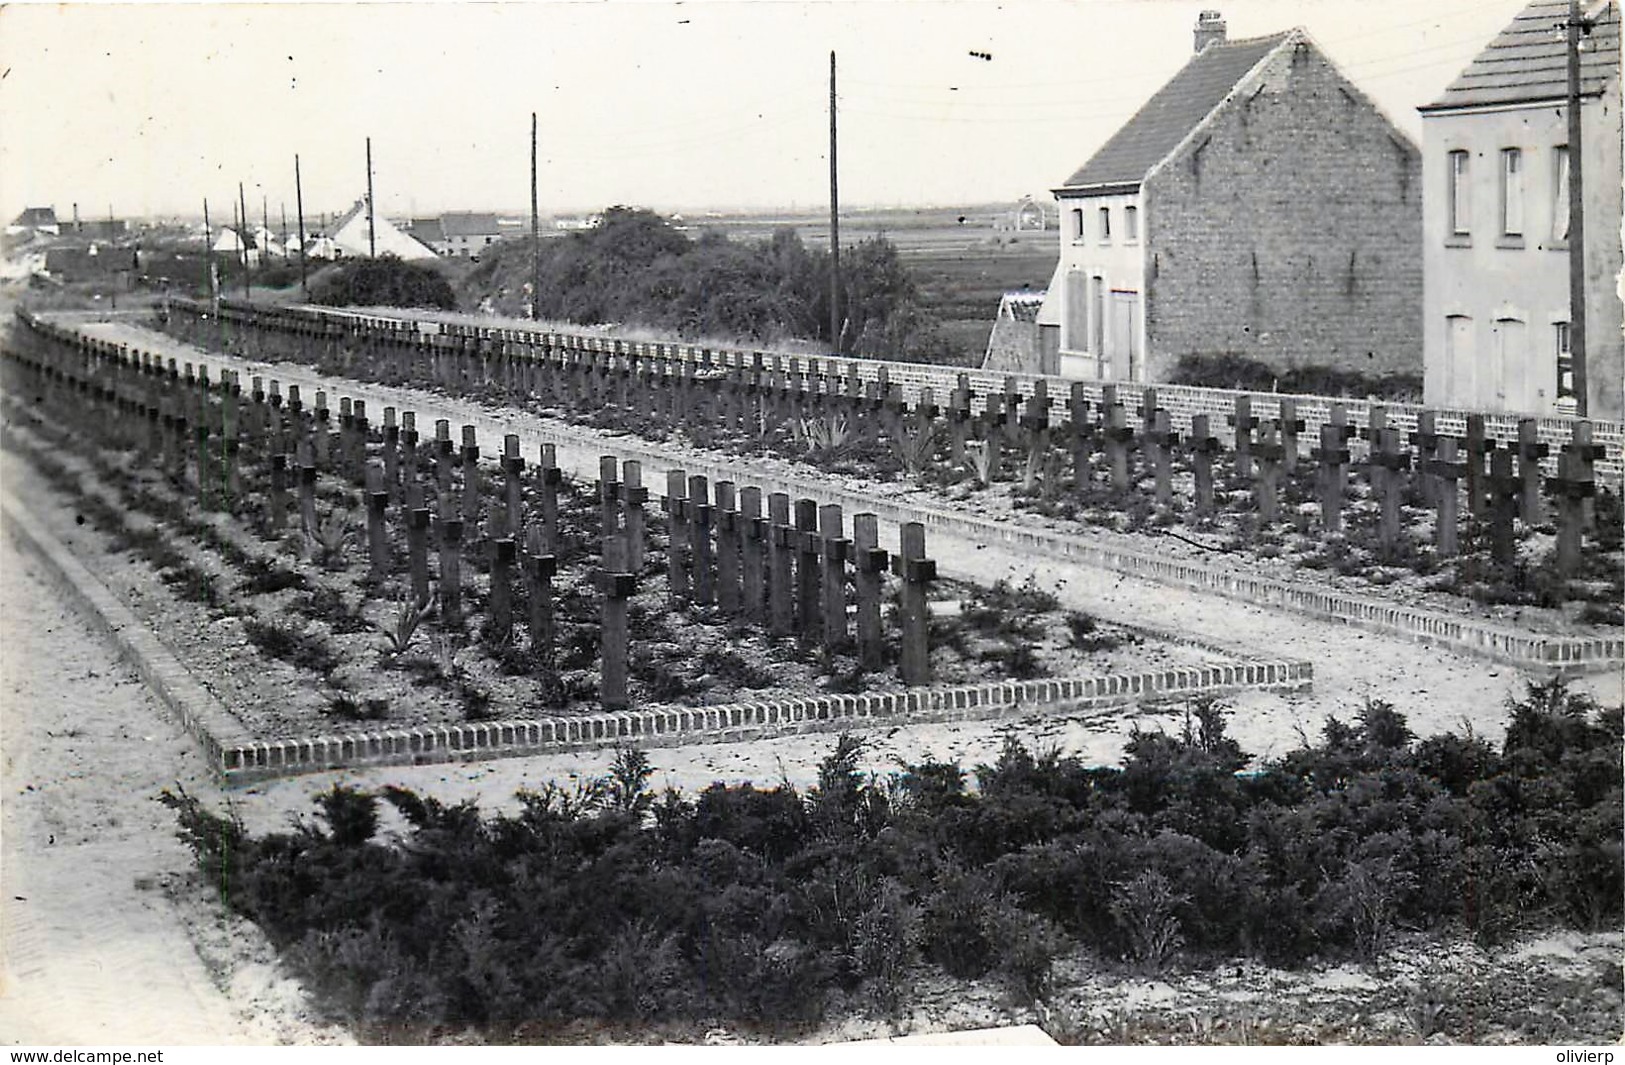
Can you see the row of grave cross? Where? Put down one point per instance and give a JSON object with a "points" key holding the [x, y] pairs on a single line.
{"points": [[724, 554], [1263, 450]]}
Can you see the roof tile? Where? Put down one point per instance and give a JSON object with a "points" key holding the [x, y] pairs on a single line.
{"points": [[1528, 61]]}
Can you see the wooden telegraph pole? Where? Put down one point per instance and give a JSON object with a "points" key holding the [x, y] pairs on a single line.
{"points": [[242, 238], [1577, 270], [535, 231], [834, 225], [372, 236], [208, 259], [299, 208]]}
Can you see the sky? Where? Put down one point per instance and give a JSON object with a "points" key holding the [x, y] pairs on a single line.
{"points": [[148, 109]]}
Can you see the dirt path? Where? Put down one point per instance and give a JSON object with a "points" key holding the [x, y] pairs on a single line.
{"points": [[96, 896]]}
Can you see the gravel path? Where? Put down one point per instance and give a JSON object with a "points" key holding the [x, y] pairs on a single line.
{"points": [[100, 920]]}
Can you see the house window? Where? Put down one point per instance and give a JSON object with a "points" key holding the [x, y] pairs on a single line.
{"points": [[1565, 360], [1512, 192], [1077, 223], [1105, 225], [1461, 203], [1560, 193], [1131, 223]]}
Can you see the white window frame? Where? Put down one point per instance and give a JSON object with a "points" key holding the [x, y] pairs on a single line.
{"points": [[1512, 192], [1460, 200], [1131, 224], [1105, 217]]}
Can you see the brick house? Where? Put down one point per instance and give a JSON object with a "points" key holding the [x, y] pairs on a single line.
{"points": [[468, 233], [1495, 222], [1258, 204]]}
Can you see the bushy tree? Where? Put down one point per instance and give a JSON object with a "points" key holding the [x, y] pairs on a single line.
{"points": [[383, 282]]}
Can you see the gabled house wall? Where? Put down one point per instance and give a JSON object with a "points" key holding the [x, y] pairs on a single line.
{"points": [[1286, 228]]}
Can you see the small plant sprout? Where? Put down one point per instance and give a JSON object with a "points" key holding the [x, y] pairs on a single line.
{"points": [[330, 538], [402, 629], [980, 457], [828, 436], [916, 450]]}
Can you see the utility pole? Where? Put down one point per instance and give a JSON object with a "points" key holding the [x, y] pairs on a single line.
{"points": [[535, 232], [299, 207], [372, 235], [1577, 268], [834, 225], [208, 259], [242, 238]]}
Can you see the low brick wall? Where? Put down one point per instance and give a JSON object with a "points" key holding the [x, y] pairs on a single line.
{"points": [[672, 726]]}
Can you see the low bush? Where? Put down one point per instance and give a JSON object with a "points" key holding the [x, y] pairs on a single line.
{"points": [[767, 906]]}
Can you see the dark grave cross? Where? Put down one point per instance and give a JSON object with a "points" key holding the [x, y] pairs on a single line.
{"points": [[470, 462], [959, 418], [1291, 427], [1476, 446], [231, 442], [1426, 439], [503, 551], [1081, 434], [304, 456], [992, 434], [417, 542], [1446, 473], [1530, 451], [1035, 422], [256, 409], [835, 548], [780, 553], [1586, 455], [444, 450], [346, 456], [451, 536], [1203, 446], [869, 563], [1012, 409], [808, 547], [1244, 422], [753, 548], [633, 498], [609, 499], [700, 519], [549, 477], [540, 565], [1504, 490], [892, 405], [1376, 426], [377, 532], [358, 439], [1388, 456], [513, 484], [1266, 479], [320, 431], [409, 448], [1119, 436], [917, 573], [200, 434], [617, 585], [1333, 458], [1161, 438], [728, 549], [676, 507], [392, 456], [1573, 488]]}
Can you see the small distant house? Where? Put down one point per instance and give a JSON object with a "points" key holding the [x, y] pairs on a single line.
{"points": [[231, 242], [428, 231], [1496, 222], [351, 237], [1260, 204], [1016, 344], [468, 233], [35, 222], [1029, 214]]}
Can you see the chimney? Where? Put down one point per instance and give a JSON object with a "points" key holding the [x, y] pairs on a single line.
{"points": [[1209, 30]]}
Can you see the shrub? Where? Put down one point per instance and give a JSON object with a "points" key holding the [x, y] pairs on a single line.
{"points": [[383, 282]]}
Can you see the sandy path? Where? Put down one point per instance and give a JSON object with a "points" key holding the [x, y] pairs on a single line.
{"points": [[95, 945]]}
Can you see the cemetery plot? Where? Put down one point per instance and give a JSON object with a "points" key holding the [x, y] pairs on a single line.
{"points": [[336, 572], [1460, 522]]}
